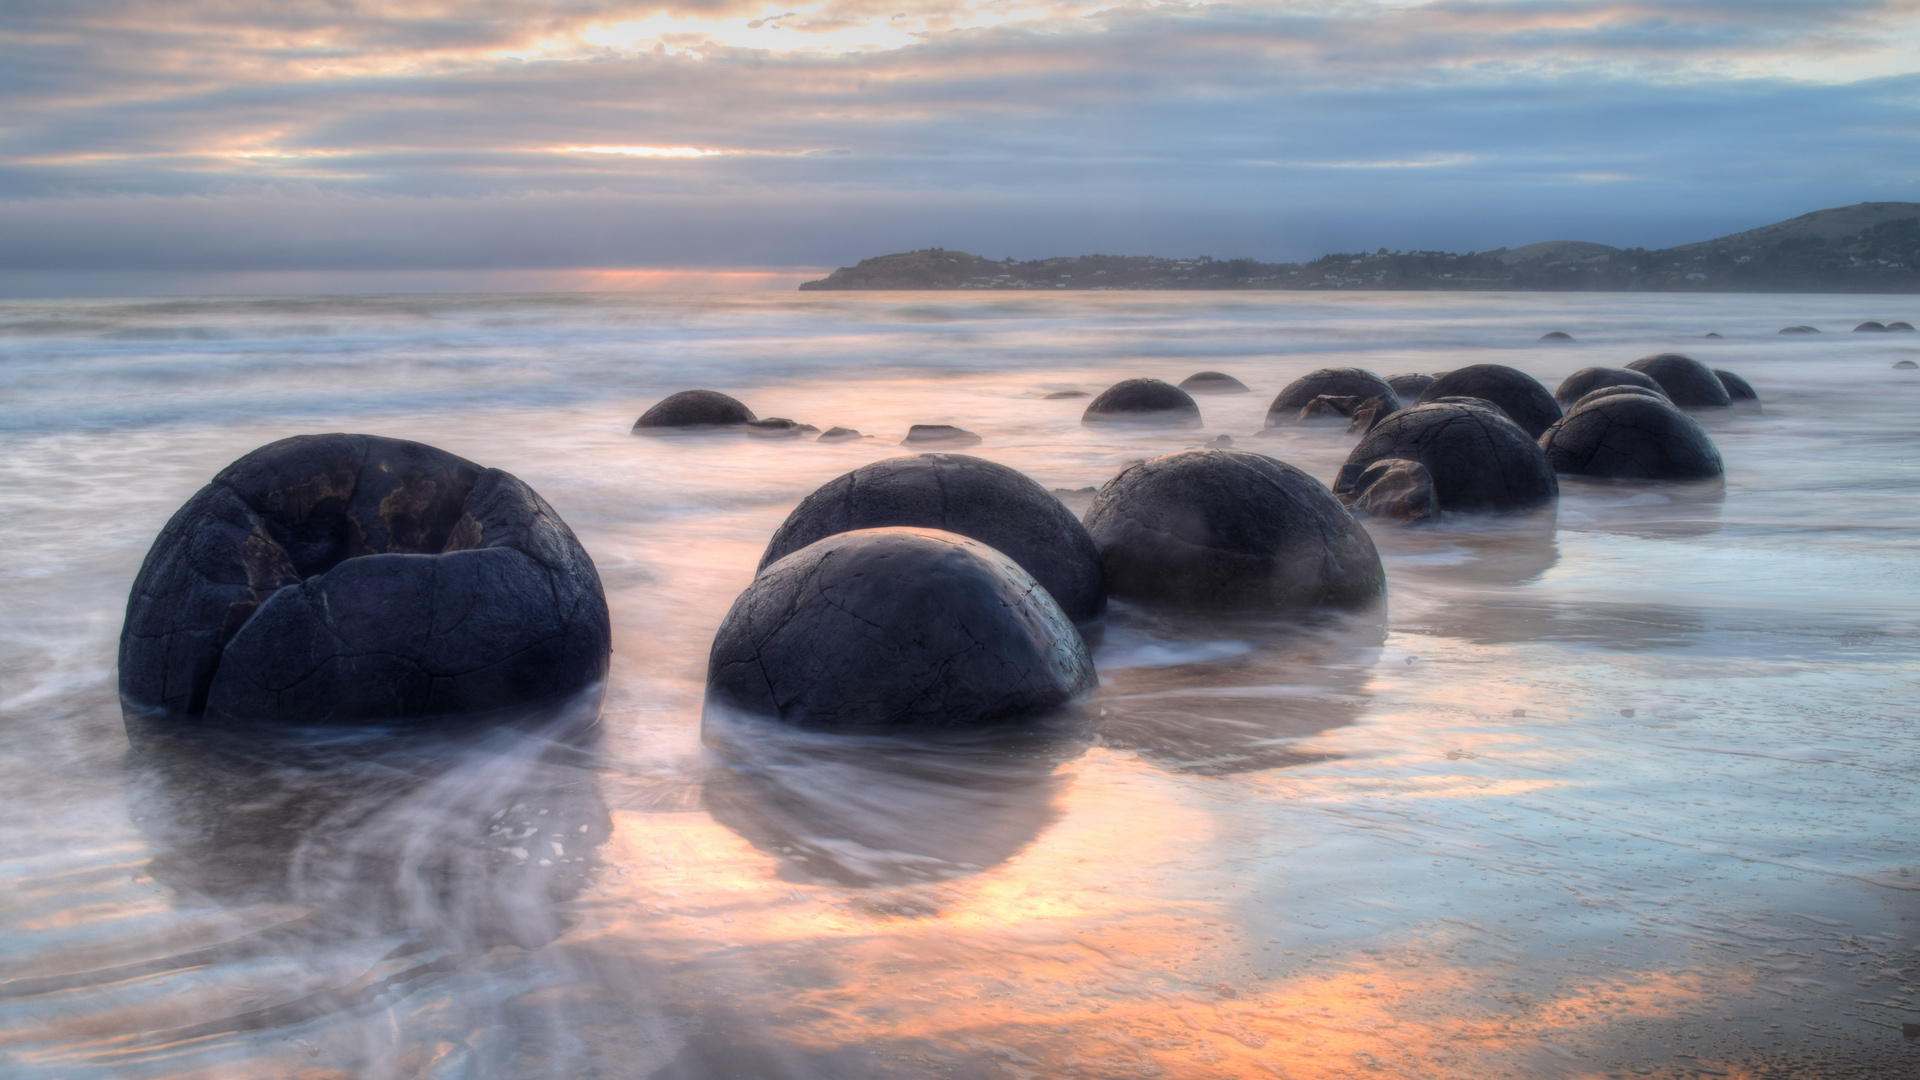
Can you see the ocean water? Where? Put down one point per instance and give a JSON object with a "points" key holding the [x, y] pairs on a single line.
{"points": [[1623, 789]]}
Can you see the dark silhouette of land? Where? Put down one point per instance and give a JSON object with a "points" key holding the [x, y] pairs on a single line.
{"points": [[1864, 248]]}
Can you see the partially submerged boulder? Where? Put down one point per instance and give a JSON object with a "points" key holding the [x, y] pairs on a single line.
{"points": [[1687, 382], [1631, 437], [1213, 382], [1396, 490], [1226, 529], [1360, 385], [1588, 379], [998, 506], [1799, 329], [1870, 327], [693, 409], [1739, 390], [1902, 327], [1371, 412], [1479, 460], [1408, 387], [841, 434], [779, 427], [938, 435], [1147, 401], [893, 629], [1556, 335], [329, 579], [1904, 365], [1517, 393]]}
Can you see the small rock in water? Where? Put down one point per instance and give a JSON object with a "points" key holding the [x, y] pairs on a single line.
{"points": [[1710, 335], [1556, 335], [1626, 713], [1143, 401], [1870, 327], [840, 434], [1905, 365], [1219, 440], [1799, 330], [946, 434], [1059, 394], [1902, 327], [778, 427], [694, 409]]}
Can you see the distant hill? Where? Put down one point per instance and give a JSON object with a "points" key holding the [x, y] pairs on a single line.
{"points": [[1865, 248]]}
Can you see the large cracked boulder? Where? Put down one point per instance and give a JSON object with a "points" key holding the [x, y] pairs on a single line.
{"points": [[347, 578], [1000, 507], [1355, 383], [693, 410], [1143, 401], [1588, 379], [1631, 437], [1225, 529], [1687, 382], [893, 629], [1479, 460], [1517, 393]]}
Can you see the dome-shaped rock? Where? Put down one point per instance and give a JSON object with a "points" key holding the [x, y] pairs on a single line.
{"points": [[1687, 382], [1799, 329], [346, 578], [1355, 383], [1609, 391], [1409, 386], [1902, 327], [1213, 382], [891, 629], [998, 506], [938, 435], [1518, 394], [1631, 437], [1904, 365], [1870, 327], [1222, 529], [1738, 389], [695, 409], [1143, 401], [1556, 335], [1479, 459], [1588, 379]]}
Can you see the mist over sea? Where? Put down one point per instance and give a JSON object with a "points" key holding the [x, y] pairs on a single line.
{"points": [[1624, 787]]}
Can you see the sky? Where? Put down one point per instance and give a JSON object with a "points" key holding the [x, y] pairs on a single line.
{"points": [[309, 145]]}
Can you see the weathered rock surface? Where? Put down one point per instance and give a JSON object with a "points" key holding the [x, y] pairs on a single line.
{"points": [[893, 629], [1479, 459], [694, 409], [1517, 393], [1631, 437], [1588, 379], [1147, 401], [1000, 507], [938, 435], [1395, 490], [1408, 387], [1355, 383], [1738, 389], [1687, 382], [1213, 382], [1371, 412], [1334, 407], [345, 578], [1227, 529]]}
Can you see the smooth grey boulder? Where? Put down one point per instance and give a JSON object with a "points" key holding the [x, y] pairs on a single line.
{"points": [[1799, 329], [1408, 387], [1687, 382], [1213, 382], [1148, 401], [1355, 383], [1479, 459], [1870, 327], [1556, 335], [348, 578], [1000, 507], [1517, 393], [894, 629], [938, 435], [694, 409], [1904, 365], [1395, 490], [1588, 379], [1631, 437], [1901, 327], [1738, 389], [1609, 391], [1226, 529]]}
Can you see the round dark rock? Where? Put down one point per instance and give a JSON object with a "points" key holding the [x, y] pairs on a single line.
{"points": [[1556, 335], [1799, 329], [1710, 335], [347, 578], [1902, 327], [998, 506], [1738, 389], [1518, 394], [1409, 386], [1479, 459], [890, 629], [1609, 391], [1353, 383], [938, 435], [1213, 382], [695, 409], [1631, 437], [1870, 327], [1687, 382], [1058, 395], [840, 434], [1905, 365], [1221, 529], [1143, 401], [1588, 379]]}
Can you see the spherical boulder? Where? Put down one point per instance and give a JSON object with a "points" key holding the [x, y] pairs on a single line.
{"points": [[1479, 459], [1588, 379], [1738, 389], [1901, 327], [1687, 382], [893, 629], [1871, 327], [1556, 335], [1147, 401], [1631, 437], [1904, 365], [694, 409], [1225, 529], [1609, 391], [1213, 382], [1352, 383], [330, 579], [1518, 394], [1799, 329], [1000, 507], [1409, 386]]}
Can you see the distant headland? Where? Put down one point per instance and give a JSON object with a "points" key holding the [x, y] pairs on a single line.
{"points": [[1865, 248]]}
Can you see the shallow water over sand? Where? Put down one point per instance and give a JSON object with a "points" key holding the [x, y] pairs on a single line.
{"points": [[1621, 789]]}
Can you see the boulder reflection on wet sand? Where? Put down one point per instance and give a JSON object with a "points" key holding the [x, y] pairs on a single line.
{"points": [[866, 810]]}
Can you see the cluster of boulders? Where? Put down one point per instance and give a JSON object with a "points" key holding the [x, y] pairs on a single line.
{"points": [[710, 411]]}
